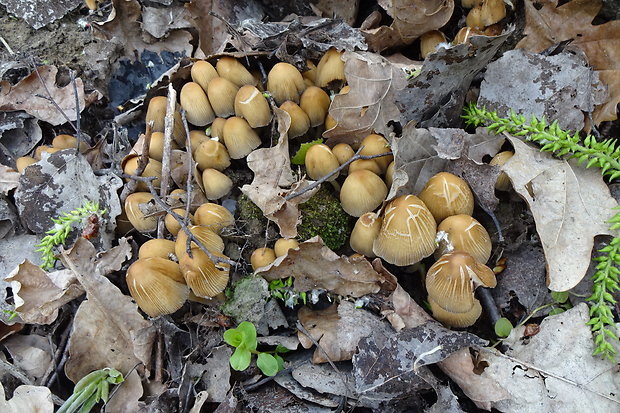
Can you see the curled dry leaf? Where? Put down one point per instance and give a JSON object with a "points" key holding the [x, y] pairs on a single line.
{"points": [[31, 353], [338, 329], [27, 399], [9, 178], [313, 266], [412, 18], [406, 313], [369, 106], [570, 205], [23, 96]]}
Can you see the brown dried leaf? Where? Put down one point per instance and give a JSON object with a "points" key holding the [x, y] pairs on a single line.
{"points": [[23, 96], [407, 313], [38, 295], [412, 18], [338, 329], [339, 9], [369, 105], [313, 266], [31, 353], [9, 178], [546, 24]]}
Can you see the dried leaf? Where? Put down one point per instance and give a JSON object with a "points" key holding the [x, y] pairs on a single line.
{"points": [[160, 21], [560, 87], [369, 105], [9, 178], [31, 353], [570, 205], [19, 134], [338, 329], [407, 313], [27, 399], [40, 13], [313, 266], [31, 96], [325, 380], [412, 18], [339, 9]]}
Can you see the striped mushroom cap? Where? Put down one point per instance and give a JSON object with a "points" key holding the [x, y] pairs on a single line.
{"points": [[362, 191], [213, 216], [206, 235], [408, 232], [364, 233], [446, 194], [204, 277], [463, 233]]}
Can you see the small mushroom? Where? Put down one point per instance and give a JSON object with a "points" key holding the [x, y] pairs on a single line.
{"points": [[213, 216], [217, 128], [196, 137], [389, 175], [407, 232], [22, 162], [211, 241], [503, 182], [463, 35], [320, 161], [343, 152], [172, 225], [231, 69], [300, 122], [282, 246], [221, 93], [156, 148], [374, 144], [68, 142], [204, 277], [362, 191], [240, 139], [135, 215], [310, 74], [474, 18], [364, 233], [211, 153], [46, 149], [251, 105], [315, 102], [284, 82], [202, 72], [429, 42], [446, 194], [368, 164], [492, 11], [463, 233], [153, 168], [156, 112], [262, 257], [330, 68], [156, 247], [215, 183], [196, 104]]}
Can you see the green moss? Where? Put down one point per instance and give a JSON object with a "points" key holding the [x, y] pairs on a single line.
{"points": [[248, 211], [323, 215]]}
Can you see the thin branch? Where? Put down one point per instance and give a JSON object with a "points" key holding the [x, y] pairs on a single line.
{"points": [[8, 48], [165, 161], [19, 375], [131, 186], [190, 167], [334, 172], [488, 303], [49, 98], [78, 131]]}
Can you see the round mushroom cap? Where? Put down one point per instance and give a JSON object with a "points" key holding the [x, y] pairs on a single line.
{"points": [[446, 194], [156, 112], [211, 153], [457, 320], [251, 105], [196, 104], [262, 257], [202, 72], [282, 246], [153, 168], [135, 215], [216, 184], [23, 162], [429, 42], [214, 216], [343, 152], [156, 147], [315, 102], [320, 161], [240, 139], [284, 82], [362, 191], [172, 225], [407, 233], [68, 142], [204, 277], [364, 233], [389, 174], [330, 68], [492, 12], [464, 233], [157, 285], [503, 182], [374, 144], [211, 241], [300, 123], [230, 68], [221, 93], [156, 247]]}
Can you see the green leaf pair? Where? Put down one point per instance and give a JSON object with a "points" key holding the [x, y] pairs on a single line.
{"points": [[244, 339]]}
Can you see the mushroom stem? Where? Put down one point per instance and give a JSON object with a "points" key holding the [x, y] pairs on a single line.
{"points": [[488, 304]]}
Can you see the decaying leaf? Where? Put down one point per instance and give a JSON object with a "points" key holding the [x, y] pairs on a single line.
{"points": [[546, 24], [31, 96], [407, 313], [338, 329], [314, 266], [325, 380], [339, 9], [435, 97], [558, 87], [19, 134], [9, 179], [412, 18], [38, 295], [216, 376], [369, 105], [159, 21], [31, 353], [570, 205], [27, 399], [39, 13]]}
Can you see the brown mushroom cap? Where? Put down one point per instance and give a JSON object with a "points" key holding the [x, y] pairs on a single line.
{"points": [[251, 105], [135, 214], [211, 153], [464, 233], [68, 142], [284, 82], [315, 102], [156, 112], [464, 34], [196, 104], [362, 191], [343, 152], [262, 257], [212, 242], [368, 164], [330, 68], [389, 175], [474, 18], [202, 72], [364, 233], [310, 74], [429, 42], [172, 225], [407, 233], [320, 161], [457, 320], [22, 162], [221, 93], [46, 149], [282, 246], [157, 285], [156, 148], [153, 168], [503, 182], [213, 216], [231, 69], [215, 183], [300, 122], [204, 277], [374, 145], [196, 137], [492, 11], [240, 139], [446, 194], [156, 247]]}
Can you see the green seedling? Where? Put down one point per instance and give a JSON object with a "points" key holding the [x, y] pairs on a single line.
{"points": [[243, 338], [57, 235], [604, 155], [300, 156], [90, 390], [283, 290]]}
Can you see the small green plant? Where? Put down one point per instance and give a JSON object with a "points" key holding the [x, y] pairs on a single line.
{"points": [[283, 289], [606, 156], [300, 156], [57, 235], [243, 338], [91, 389], [503, 327]]}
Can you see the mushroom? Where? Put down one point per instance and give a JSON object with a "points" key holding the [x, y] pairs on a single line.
{"points": [[157, 285], [240, 139], [217, 128], [231, 69], [284, 82], [215, 183], [156, 112], [364, 233], [262, 257], [204, 277], [68, 142], [446, 194], [315, 102], [492, 11], [172, 225], [343, 152], [44, 148], [320, 161], [300, 122], [221, 93], [374, 144], [282, 246], [196, 104], [251, 105], [196, 137], [211, 153], [135, 215], [152, 168], [429, 42], [407, 232], [389, 175], [202, 72], [474, 18], [213, 216], [22, 162], [464, 34], [310, 74], [330, 68], [156, 147], [463, 233], [211, 241], [362, 191], [156, 247], [503, 182], [368, 164]]}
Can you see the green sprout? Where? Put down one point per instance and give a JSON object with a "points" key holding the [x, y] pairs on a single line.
{"points": [[283, 289], [605, 155], [243, 338], [91, 389], [57, 235]]}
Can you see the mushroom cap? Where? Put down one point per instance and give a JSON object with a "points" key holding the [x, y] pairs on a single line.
{"points": [[362, 191], [156, 247], [446, 194], [464, 233], [389, 175], [217, 128], [240, 139], [343, 152], [282, 246], [22, 162], [468, 4], [300, 122], [364, 233], [284, 82], [230, 68], [374, 145], [156, 112], [451, 280], [457, 320], [429, 42], [44, 148], [204, 277], [157, 285], [212, 242], [330, 122], [330, 68], [213, 216], [464, 34], [310, 74], [156, 147], [211, 153], [320, 161], [503, 182], [474, 18], [172, 225], [262, 257], [135, 214], [202, 72], [221, 93], [68, 142], [152, 168], [315, 102], [407, 233], [196, 104], [368, 164], [492, 11], [215, 183], [251, 105], [196, 137]]}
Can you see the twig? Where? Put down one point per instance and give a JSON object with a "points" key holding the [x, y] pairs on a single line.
{"points": [[159, 360], [148, 180], [8, 48], [142, 162], [165, 161], [190, 167], [334, 172], [58, 356], [488, 303], [50, 98], [78, 131]]}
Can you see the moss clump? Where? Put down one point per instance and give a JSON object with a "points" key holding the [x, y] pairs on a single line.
{"points": [[323, 215], [248, 211]]}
